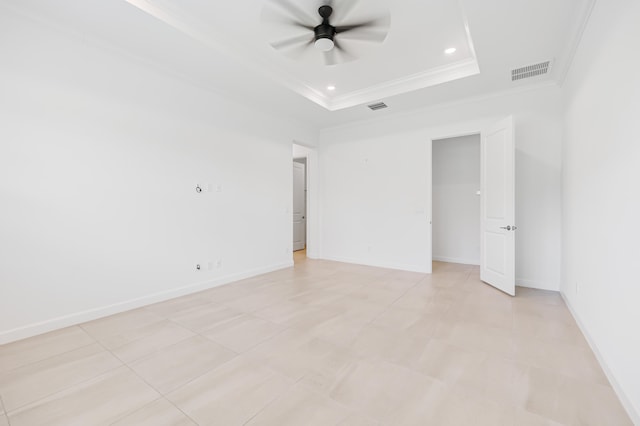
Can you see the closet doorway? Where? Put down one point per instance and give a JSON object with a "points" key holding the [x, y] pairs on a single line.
{"points": [[456, 199]]}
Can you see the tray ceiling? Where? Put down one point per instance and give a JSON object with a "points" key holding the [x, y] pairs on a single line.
{"points": [[411, 57]]}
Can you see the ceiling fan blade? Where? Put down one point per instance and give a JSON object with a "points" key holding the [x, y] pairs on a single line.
{"points": [[294, 11], [379, 22], [301, 25], [346, 54], [299, 50], [364, 35], [271, 16], [304, 40]]}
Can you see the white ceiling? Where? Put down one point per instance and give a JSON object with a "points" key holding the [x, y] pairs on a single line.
{"points": [[227, 49]]}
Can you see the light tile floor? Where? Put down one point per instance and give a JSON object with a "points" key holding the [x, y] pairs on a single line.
{"points": [[322, 343]]}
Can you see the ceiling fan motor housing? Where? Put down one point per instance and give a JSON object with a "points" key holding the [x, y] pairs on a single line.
{"points": [[325, 30]]}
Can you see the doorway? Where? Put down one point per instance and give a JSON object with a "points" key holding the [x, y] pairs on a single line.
{"points": [[497, 202], [307, 156], [299, 204], [456, 199]]}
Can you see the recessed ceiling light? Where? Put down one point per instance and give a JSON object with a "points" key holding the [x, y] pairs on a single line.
{"points": [[450, 51], [332, 88]]}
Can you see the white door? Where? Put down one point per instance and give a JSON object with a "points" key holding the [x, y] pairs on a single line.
{"points": [[497, 201], [299, 207]]}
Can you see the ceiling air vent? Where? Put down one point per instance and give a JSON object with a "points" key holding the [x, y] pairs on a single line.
{"points": [[379, 105], [530, 71]]}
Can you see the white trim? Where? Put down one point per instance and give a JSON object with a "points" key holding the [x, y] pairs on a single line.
{"points": [[92, 314], [397, 266], [626, 403], [467, 30], [411, 113], [456, 260], [431, 77], [539, 285]]}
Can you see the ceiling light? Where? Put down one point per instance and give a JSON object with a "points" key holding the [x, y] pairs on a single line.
{"points": [[324, 44], [450, 51], [331, 87]]}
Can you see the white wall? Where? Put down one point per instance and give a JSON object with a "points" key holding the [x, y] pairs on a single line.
{"points": [[601, 226], [99, 159], [456, 204], [376, 175]]}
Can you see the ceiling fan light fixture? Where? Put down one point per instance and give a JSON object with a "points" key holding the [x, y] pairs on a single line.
{"points": [[324, 44]]}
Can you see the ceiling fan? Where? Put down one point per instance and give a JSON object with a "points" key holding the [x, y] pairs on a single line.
{"points": [[323, 34]]}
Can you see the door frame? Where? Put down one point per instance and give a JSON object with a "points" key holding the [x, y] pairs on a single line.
{"points": [[296, 160], [312, 213], [431, 140], [455, 131]]}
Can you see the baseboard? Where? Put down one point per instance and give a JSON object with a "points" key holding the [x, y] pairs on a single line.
{"points": [[626, 403], [398, 266], [456, 260], [538, 285], [104, 311]]}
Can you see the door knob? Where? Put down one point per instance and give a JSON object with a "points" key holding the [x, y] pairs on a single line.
{"points": [[508, 228]]}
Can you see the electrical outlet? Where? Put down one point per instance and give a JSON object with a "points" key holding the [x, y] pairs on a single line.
{"points": [[218, 263], [219, 187], [210, 266]]}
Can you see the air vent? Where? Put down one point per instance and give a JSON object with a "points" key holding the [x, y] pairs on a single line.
{"points": [[379, 105], [530, 71]]}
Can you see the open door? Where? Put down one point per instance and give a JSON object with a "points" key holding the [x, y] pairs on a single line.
{"points": [[299, 207], [497, 206]]}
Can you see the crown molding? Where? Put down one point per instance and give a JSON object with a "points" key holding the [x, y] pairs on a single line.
{"points": [[409, 83], [546, 84], [572, 47]]}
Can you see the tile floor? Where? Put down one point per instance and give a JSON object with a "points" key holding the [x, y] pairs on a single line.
{"points": [[323, 343]]}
